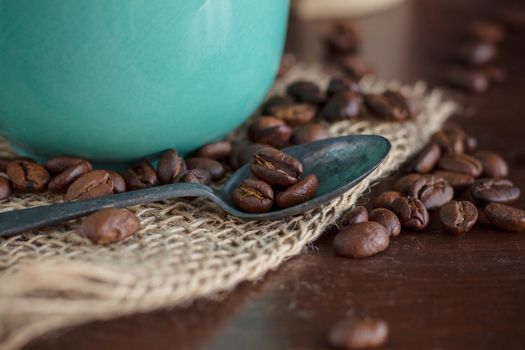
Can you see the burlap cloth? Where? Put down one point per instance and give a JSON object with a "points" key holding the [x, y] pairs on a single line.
{"points": [[54, 278]]}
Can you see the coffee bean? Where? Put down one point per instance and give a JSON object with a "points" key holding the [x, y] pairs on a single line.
{"points": [[495, 74], [427, 159], [253, 196], [170, 167], [301, 192], [345, 105], [487, 31], [58, 164], [198, 176], [6, 160], [361, 240], [96, 183], [505, 217], [378, 105], [216, 150], [309, 133], [119, 184], [402, 108], [359, 334], [385, 199], [276, 168], [467, 80], [477, 53], [270, 131], [388, 219], [109, 225], [493, 164], [247, 153], [461, 163], [62, 181], [433, 191], [355, 67], [355, 216], [344, 38], [494, 190], [458, 217], [342, 84], [305, 91], [471, 144], [449, 142], [275, 101], [5, 188], [27, 176], [404, 183], [295, 114], [215, 168], [411, 213], [140, 176], [391, 106], [458, 181]]}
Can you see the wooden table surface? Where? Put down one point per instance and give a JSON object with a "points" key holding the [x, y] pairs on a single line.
{"points": [[436, 291]]}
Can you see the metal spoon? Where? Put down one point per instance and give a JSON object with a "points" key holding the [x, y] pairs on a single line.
{"points": [[339, 163]]}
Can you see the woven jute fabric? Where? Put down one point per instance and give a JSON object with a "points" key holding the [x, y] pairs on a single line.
{"points": [[186, 249]]}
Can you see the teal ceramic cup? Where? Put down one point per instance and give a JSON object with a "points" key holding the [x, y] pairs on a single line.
{"points": [[116, 80]]}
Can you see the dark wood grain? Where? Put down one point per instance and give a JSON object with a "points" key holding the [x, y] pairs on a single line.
{"points": [[435, 290]]}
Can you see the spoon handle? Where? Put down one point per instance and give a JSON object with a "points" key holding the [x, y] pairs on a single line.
{"points": [[17, 221]]}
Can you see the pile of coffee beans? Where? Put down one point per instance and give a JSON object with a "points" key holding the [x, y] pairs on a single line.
{"points": [[450, 176], [277, 181]]}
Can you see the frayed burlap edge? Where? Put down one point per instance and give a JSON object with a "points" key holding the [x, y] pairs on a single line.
{"points": [[53, 278]]}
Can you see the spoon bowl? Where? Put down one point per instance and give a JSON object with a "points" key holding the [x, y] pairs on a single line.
{"points": [[339, 163]]}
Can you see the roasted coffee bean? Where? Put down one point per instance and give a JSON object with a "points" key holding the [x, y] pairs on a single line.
{"points": [[345, 105], [270, 131], [170, 167], [287, 62], [402, 108], [495, 74], [449, 142], [342, 84], [359, 334], [467, 80], [27, 176], [458, 217], [388, 219], [5, 188], [385, 199], [198, 176], [355, 67], [109, 225], [493, 164], [361, 240], [246, 154], [477, 53], [119, 184], [411, 213], [378, 105], [140, 176], [427, 159], [58, 164], [390, 106], [487, 31], [344, 38], [6, 160], [273, 102], [494, 190], [253, 196], [301, 192], [458, 181], [461, 163], [433, 191], [505, 217], [471, 144], [355, 216], [216, 150], [305, 91], [309, 133], [276, 168], [403, 183], [215, 168], [62, 181], [96, 183], [295, 114]]}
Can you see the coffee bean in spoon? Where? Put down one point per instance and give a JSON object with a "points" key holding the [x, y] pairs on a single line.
{"points": [[458, 217], [488, 190], [505, 217], [253, 196], [276, 168], [27, 176], [357, 215], [309, 133], [361, 240], [301, 192]]}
